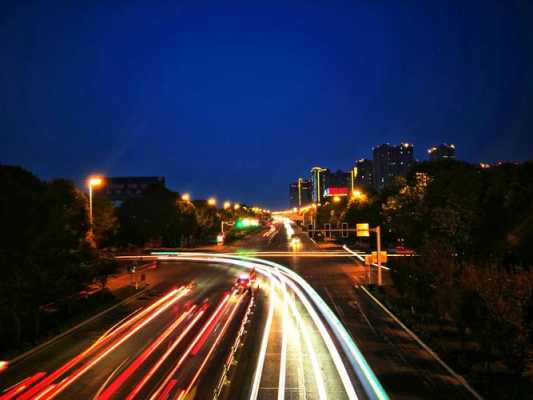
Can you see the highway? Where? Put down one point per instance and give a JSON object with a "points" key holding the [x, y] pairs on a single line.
{"points": [[157, 345], [405, 369], [305, 330]]}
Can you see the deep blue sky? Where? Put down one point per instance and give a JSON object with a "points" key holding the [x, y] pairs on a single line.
{"points": [[239, 100]]}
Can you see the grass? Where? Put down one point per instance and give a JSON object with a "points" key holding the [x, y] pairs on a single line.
{"points": [[464, 356]]}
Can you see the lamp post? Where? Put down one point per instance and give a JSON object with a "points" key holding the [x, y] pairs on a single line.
{"points": [[212, 202], [93, 181]]}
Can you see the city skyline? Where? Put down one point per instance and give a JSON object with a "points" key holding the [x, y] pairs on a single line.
{"points": [[237, 102]]}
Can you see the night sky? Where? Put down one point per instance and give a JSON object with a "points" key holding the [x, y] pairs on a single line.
{"points": [[237, 101]]}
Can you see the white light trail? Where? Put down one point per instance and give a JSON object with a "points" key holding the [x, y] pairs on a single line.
{"points": [[262, 351], [308, 295]]}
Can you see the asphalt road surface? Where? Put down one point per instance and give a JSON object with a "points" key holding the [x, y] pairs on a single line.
{"points": [[404, 368], [181, 337]]}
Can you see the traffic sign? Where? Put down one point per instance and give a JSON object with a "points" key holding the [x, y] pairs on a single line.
{"points": [[362, 230], [383, 259]]}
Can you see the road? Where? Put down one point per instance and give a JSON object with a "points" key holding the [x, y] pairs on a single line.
{"points": [[157, 344], [404, 367], [190, 335]]}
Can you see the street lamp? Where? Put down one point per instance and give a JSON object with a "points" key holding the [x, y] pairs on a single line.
{"points": [[212, 202], [358, 195], [93, 181], [186, 197], [227, 205], [236, 206]]}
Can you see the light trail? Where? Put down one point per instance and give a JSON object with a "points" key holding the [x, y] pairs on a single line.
{"points": [[77, 359], [158, 364], [191, 346], [262, 351], [83, 369], [339, 365], [212, 349], [119, 381], [322, 394], [14, 390], [44, 392], [284, 340], [370, 383]]}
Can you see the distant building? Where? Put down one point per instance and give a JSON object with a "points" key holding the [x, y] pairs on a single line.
{"points": [[300, 193], [363, 173], [443, 151], [119, 189], [391, 161], [318, 183], [337, 183]]}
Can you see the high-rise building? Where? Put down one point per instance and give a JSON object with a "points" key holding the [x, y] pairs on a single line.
{"points": [[363, 173], [300, 193], [119, 189], [318, 183], [443, 151], [391, 161], [337, 183]]}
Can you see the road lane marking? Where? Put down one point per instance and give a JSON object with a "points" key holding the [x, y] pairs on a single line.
{"points": [[284, 339], [111, 375], [368, 379], [75, 327], [262, 352]]}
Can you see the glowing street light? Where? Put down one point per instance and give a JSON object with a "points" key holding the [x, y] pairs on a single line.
{"points": [[92, 182], [186, 197], [212, 202], [358, 195], [236, 206], [227, 205]]}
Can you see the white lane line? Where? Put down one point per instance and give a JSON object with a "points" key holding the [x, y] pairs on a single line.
{"points": [[109, 378], [423, 345], [311, 351], [360, 258], [262, 353], [302, 394], [337, 308], [284, 340]]}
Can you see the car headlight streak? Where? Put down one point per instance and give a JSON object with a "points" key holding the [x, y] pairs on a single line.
{"points": [[315, 305]]}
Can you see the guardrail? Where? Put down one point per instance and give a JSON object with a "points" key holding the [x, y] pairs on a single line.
{"points": [[228, 364]]}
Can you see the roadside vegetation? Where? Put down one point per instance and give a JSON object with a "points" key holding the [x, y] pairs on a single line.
{"points": [[53, 270], [469, 293]]}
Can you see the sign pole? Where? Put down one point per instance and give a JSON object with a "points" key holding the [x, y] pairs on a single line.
{"points": [[378, 238]]}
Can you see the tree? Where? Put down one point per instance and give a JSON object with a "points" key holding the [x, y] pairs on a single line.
{"points": [[148, 218], [43, 245], [105, 221]]}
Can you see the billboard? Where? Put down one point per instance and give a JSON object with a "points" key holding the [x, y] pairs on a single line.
{"points": [[336, 191]]}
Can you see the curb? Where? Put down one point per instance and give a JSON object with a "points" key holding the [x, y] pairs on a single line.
{"points": [[39, 347], [461, 380]]}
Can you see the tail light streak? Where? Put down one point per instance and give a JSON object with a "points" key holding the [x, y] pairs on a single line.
{"points": [[308, 295], [14, 390], [191, 346], [158, 364], [117, 383], [84, 368], [212, 349]]}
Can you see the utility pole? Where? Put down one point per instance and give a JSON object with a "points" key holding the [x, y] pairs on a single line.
{"points": [[378, 239], [299, 192]]}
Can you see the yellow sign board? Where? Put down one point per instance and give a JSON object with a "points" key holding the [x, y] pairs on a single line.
{"points": [[374, 257], [362, 230]]}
